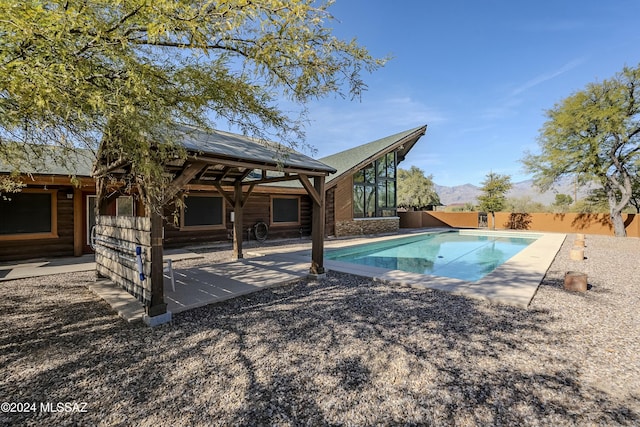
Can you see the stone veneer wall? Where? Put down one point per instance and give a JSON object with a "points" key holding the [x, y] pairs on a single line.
{"points": [[359, 227]]}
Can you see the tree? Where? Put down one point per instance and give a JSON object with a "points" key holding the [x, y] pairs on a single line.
{"points": [[635, 193], [594, 134], [562, 202], [597, 200], [524, 204], [415, 190], [82, 73], [493, 198]]}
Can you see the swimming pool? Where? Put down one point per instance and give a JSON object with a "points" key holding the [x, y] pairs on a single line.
{"points": [[457, 254]]}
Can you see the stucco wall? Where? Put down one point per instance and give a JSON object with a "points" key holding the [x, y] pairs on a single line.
{"points": [[566, 223], [559, 223]]}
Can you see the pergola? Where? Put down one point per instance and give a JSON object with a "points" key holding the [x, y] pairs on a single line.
{"points": [[233, 165]]}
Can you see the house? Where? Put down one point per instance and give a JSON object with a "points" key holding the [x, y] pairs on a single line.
{"points": [[53, 215]]}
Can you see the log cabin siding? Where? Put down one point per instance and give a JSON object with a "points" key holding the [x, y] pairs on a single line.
{"points": [[257, 209], [330, 215], [18, 249], [344, 199]]}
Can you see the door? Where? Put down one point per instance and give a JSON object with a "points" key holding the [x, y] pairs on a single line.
{"points": [[89, 207]]}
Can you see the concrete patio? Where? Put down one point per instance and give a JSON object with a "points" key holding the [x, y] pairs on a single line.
{"points": [[199, 286], [209, 284], [513, 283]]}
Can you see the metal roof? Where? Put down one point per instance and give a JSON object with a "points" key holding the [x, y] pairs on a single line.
{"points": [[52, 160], [227, 145], [359, 156]]}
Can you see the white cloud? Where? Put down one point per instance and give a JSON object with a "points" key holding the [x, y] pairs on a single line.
{"points": [[547, 76]]}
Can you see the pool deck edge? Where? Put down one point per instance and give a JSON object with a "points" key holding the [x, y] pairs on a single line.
{"points": [[513, 283]]}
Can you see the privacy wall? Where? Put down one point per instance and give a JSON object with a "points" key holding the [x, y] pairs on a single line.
{"points": [[550, 222]]}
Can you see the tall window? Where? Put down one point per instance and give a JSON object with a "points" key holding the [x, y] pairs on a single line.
{"points": [[374, 189]]}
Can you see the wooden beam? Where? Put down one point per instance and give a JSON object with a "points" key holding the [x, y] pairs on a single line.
{"points": [[257, 189], [263, 166], [188, 173], [157, 305], [238, 222], [202, 172], [225, 172], [102, 170], [310, 189], [224, 194], [245, 174], [83, 182], [246, 197], [317, 228]]}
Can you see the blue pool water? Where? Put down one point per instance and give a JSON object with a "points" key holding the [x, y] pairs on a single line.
{"points": [[461, 255]]}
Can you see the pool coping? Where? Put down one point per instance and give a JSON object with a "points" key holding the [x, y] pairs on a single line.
{"points": [[515, 282]]}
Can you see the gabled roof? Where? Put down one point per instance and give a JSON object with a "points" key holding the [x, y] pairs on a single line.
{"points": [[355, 158]]}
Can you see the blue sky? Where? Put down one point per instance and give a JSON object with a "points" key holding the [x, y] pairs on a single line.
{"points": [[480, 74]]}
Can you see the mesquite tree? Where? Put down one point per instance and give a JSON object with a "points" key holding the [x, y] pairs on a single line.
{"points": [[80, 73], [494, 194], [415, 190], [594, 134]]}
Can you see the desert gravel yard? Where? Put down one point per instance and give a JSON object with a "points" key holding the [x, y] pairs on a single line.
{"points": [[342, 351]]}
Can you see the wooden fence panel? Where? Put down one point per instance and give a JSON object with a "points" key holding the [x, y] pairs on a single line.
{"points": [[116, 240]]}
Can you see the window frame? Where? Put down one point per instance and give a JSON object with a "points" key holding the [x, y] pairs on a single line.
{"points": [[382, 179], [275, 223], [53, 234], [220, 226], [133, 205]]}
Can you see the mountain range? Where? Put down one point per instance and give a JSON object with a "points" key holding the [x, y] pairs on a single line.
{"points": [[468, 193]]}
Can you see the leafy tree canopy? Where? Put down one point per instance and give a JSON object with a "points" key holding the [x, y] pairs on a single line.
{"points": [[562, 202], [594, 134], [415, 190], [524, 204], [74, 73], [494, 189]]}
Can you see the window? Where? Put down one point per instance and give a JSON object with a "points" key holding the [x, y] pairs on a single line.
{"points": [[203, 211], [374, 189], [28, 215], [125, 206], [285, 210]]}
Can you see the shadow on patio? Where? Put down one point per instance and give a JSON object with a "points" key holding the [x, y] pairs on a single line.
{"points": [[203, 285]]}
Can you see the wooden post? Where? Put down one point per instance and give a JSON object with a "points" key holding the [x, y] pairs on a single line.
{"points": [[575, 281], [238, 222], [157, 305], [101, 207], [317, 227], [78, 242]]}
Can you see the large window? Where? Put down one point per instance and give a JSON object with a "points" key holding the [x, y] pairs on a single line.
{"points": [[28, 214], [203, 211], [285, 210], [374, 189]]}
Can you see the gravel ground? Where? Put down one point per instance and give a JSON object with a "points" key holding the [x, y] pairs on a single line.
{"points": [[342, 351]]}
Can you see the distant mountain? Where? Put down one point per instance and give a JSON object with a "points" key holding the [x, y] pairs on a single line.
{"points": [[468, 193]]}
